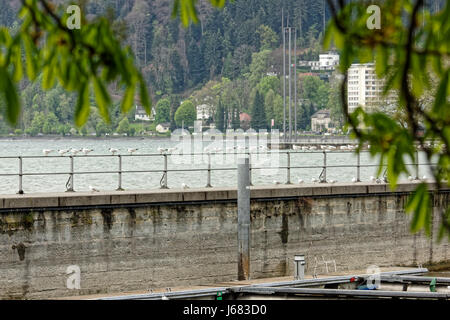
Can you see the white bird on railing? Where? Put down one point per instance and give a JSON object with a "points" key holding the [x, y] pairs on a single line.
{"points": [[314, 180], [300, 181], [276, 182], [184, 186], [74, 151], [132, 150], [372, 178], [47, 151], [331, 147], [93, 189], [424, 178], [294, 147], [354, 180], [332, 181], [344, 148], [86, 151], [113, 151], [162, 150], [305, 148], [313, 148], [63, 152], [410, 178]]}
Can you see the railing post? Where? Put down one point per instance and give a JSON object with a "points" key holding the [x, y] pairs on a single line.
{"points": [[288, 178], [324, 178], [119, 188], [208, 181], [20, 176], [358, 168], [164, 186], [417, 164], [250, 169], [70, 182], [243, 223]]}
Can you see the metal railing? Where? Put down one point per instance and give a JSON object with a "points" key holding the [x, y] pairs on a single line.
{"points": [[71, 173]]}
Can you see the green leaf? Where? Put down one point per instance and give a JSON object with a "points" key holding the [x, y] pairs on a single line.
{"points": [[11, 97], [419, 203], [31, 63], [48, 77], [329, 32], [441, 94], [145, 98], [82, 110], [128, 98], [102, 98]]}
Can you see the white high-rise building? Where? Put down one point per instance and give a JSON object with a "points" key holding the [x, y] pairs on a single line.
{"points": [[363, 87]]}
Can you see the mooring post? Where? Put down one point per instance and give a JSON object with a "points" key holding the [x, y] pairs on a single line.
{"points": [[119, 187], [243, 218]]}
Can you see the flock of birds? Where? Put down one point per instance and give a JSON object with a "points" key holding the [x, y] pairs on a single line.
{"points": [[85, 151], [208, 149], [350, 147]]}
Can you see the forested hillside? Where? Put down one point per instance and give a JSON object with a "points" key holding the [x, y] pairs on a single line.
{"points": [[225, 57]]}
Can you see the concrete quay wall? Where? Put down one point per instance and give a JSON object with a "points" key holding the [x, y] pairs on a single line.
{"points": [[124, 241]]}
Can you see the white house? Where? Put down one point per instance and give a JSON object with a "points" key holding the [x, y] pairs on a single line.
{"points": [[320, 121], [140, 114], [327, 61], [204, 112], [163, 127]]}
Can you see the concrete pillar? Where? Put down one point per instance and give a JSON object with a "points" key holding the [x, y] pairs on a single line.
{"points": [[243, 219]]}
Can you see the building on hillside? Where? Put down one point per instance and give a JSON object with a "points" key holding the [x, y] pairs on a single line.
{"points": [[327, 61], [163, 127], [140, 114], [204, 112], [363, 87], [245, 120], [320, 121]]}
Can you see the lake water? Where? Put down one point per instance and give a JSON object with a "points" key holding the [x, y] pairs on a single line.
{"points": [[133, 181]]}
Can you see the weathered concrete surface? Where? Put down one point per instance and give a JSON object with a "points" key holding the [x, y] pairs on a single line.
{"points": [[125, 241]]}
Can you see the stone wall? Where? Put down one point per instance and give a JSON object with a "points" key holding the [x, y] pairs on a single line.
{"points": [[125, 241]]}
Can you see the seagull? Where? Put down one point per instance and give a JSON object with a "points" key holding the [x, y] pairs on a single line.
{"points": [[184, 186], [86, 151], [276, 182], [332, 181], [410, 178], [378, 180], [47, 151], [300, 181], [305, 148], [294, 147], [93, 189], [74, 151], [63, 152], [312, 148], [344, 148], [314, 180], [424, 178], [331, 147], [354, 180], [132, 150], [162, 150], [113, 150], [372, 178]]}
